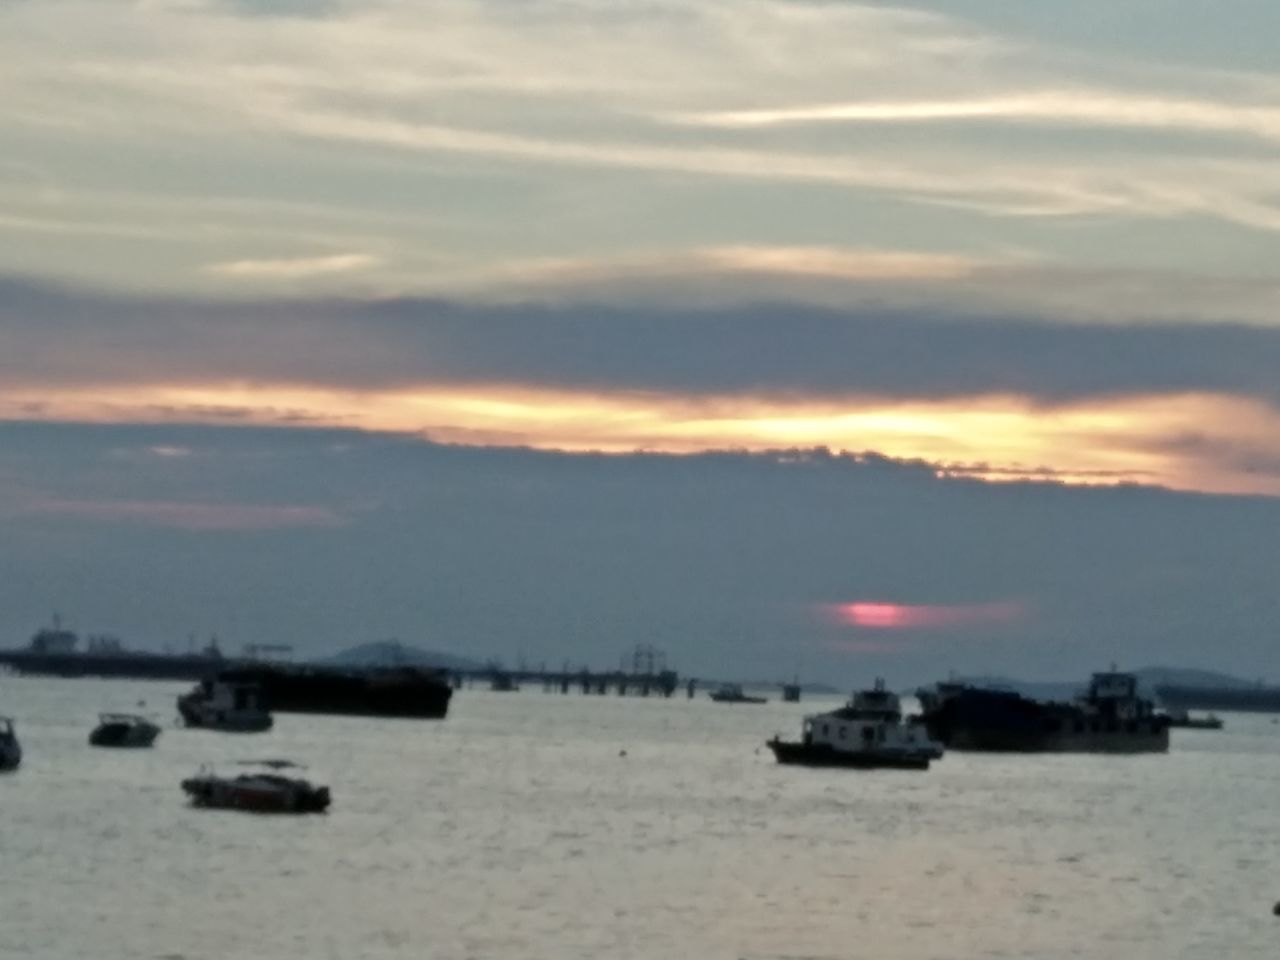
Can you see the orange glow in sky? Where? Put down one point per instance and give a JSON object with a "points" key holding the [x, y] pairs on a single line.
{"points": [[874, 615], [1139, 439]]}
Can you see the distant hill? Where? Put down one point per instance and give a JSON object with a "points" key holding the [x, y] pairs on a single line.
{"points": [[1155, 676], [392, 653], [1148, 679]]}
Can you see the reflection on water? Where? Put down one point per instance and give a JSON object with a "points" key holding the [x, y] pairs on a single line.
{"points": [[517, 828]]}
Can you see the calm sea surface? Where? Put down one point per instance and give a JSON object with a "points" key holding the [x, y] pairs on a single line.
{"points": [[517, 828]]}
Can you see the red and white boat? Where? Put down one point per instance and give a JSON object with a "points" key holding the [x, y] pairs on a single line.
{"points": [[256, 792]]}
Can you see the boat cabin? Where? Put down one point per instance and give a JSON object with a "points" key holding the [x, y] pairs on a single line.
{"points": [[871, 720]]}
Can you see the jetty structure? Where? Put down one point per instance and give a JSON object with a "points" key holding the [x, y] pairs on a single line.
{"points": [[642, 672], [394, 685]]}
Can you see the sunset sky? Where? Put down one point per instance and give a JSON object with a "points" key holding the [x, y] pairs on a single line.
{"points": [[1014, 245]]}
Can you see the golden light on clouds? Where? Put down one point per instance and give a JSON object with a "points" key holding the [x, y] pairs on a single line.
{"points": [[1194, 441]]}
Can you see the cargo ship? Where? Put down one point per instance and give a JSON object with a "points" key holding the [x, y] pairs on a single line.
{"points": [[55, 651], [1109, 718]]}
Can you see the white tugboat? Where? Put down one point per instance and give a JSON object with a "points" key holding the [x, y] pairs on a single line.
{"points": [[867, 732], [10, 750]]}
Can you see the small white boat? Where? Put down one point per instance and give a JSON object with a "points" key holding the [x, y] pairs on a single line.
{"points": [[256, 792], [10, 749], [123, 730], [225, 705], [867, 732], [1181, 718]]}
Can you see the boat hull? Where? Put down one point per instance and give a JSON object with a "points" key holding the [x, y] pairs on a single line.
{"points": [[121, 735], [10, 756], [373, 693], [823, 755], [256, 794]]}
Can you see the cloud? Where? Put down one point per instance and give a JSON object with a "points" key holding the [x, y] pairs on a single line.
{"points": [[882, 615], [460, 135], [994, 396], [188, 516], [1050, 108], [293, 268]]}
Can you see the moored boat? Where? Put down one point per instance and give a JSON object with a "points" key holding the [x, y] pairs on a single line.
{"points": [[1181, 718], [1110, 717], [868, 732], [732, 693], [123, 730], [10, 749], [225, 705], [256, 792]]}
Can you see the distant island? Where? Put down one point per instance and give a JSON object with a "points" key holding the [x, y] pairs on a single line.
{"points": [[1149, 678], [393, 653]]}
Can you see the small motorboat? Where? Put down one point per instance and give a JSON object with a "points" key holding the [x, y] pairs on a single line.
{"points": [[10, 749], [1181, 718], [123, 730], [256, 792], [224, 705], [868, 732], [732, 693]]}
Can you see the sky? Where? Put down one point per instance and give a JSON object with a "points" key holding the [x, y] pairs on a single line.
{"points": [[791, 336]]}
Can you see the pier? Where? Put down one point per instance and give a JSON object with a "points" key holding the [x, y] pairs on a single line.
{"points": [[642, 673]]}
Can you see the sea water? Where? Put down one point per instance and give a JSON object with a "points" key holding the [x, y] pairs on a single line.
{"points": [[534, 825]]}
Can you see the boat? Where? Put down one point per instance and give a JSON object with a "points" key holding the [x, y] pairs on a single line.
{"points": [[260, 791], [732, 693], [10, 749], [123, 730], [55, 651], [1110, 717], [225, 705], [866, 733], [1181, 718], [374, 692]]}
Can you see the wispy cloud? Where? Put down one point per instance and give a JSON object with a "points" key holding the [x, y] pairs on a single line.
{"points": [[189, 516], [1052, 107], [387, 109], [293, 268]]}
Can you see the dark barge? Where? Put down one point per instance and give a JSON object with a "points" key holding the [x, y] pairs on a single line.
{"points": [[380, 692], [1109, 718]]}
